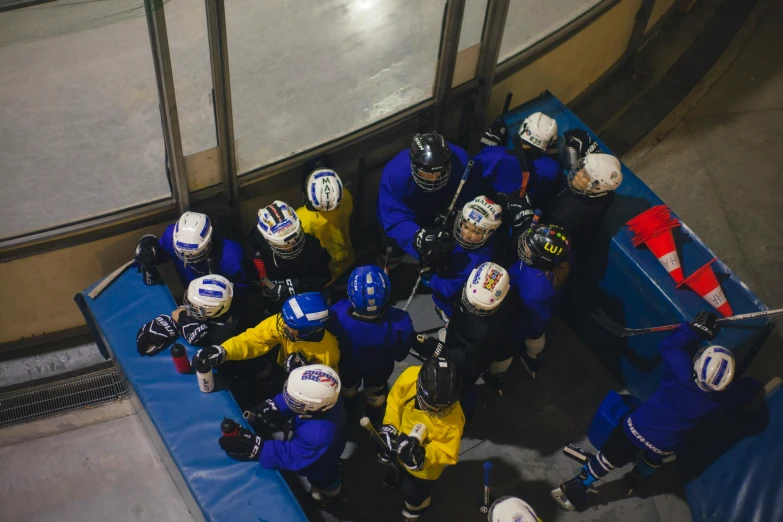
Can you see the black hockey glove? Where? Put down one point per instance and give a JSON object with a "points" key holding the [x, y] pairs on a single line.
{"points": [[431, 242], [496, 134], [579, 144], [282, 290], [246, 445], [389, 436], [265, 413], [214, 355], [156, 335], [146, 251], [410, 452], [192, 330], [705, 325], [294, 361], [520, 212]]}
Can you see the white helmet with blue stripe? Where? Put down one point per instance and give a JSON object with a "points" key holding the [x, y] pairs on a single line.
{"points": [[209, 297], [714, 368], [324, 190], [193, 237], [281, 228], [303, 317]]}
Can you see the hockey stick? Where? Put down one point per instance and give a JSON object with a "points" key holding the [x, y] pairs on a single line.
{"points": [[573, 451], [413, 293], [100, 287], [487, 487], [423, 337], [367, 425], [619, 331], [386, 260]]}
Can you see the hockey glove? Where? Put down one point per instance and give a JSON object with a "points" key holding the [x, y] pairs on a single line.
{"points": [[156, 335], [194, 331], [496, 134], [388, 434], [521, 211], [294, 361], [410, 452], [214, 355], [246, 445], [265, 413], [578, 144], [705, 325], [431, 242], [146, 251], [281, 290]]}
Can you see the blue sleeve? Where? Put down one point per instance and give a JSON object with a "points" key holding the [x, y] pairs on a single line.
{"points": [[279, 401], [335, 326], [500, 170], [674, 350], [231, 263], [166, 242], [405, 336], [547, 172], [395, 216], [291, 455], [449, 285]]}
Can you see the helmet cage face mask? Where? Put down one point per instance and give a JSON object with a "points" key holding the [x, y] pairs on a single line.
{"points": [[202, 313], [295, 335], [430, 179], [582, 183], [291, 248], [432, 410]]}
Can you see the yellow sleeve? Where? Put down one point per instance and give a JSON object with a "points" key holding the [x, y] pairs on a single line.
{"points": [[254, 342], [445, 450], [396, 398]]}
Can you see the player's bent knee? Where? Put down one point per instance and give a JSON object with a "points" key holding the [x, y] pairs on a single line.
{"points": [[500, 366], [350, 393], [535, 346]]}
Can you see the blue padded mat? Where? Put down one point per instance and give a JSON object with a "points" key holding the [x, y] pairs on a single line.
{"points": [[632, 286], [187, 420]]}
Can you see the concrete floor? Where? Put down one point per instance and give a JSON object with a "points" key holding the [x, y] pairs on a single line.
{"points": [[79, 123]]}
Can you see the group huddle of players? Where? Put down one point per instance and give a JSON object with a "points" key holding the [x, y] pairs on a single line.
{"points": [[494, 266]]}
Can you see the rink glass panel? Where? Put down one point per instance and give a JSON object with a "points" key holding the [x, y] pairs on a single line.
{"points": [[304, 73], [80, 131], [530, 21]]}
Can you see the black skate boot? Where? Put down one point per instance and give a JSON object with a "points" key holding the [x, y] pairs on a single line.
{"points": [[571, 495], [531, 364]]}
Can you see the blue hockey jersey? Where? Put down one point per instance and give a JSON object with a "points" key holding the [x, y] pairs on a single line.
{"points": [[227, 257], [678, 405], [501, 173], [370, 346], [447, 286], [404, 207], [532, 300], [315, 447]]}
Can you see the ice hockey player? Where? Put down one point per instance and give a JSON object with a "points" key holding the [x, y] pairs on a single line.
{"points": [[195, 251], [511, 509], [536, 277], [584, 196], [416, 186], [293, 261], [693, 387], [427, 394], [501, 169], [299, 329], [326, 215], [372, 335], [474, 227], [473, 335], [311, 398]]}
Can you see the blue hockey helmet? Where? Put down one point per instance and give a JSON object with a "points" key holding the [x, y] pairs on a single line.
{"points": [[368, 290], [303, 317]]}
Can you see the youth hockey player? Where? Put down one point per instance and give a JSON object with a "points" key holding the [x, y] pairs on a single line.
{"points": [[295, 262], [427, 394], [473, 230], [326, 215], [416, 186], [511, 509], [311, 398], [541, 270], [299, 329], [501, 169], [692, 388], [195, 251], [371, 335]]}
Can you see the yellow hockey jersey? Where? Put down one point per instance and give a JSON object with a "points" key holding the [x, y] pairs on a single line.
{"points": [[442, 442], [333, 230], [260, 339]]}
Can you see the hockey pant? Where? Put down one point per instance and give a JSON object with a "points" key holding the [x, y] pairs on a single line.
{"points": [[533, 347], [325, 487], [374, 381], [616, 452], [417, 492]]}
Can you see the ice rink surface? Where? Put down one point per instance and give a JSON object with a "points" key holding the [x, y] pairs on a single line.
{"points": [[80, 129]]}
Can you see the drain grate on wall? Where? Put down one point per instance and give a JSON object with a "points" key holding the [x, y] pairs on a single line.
{"points": [[70, 394]]}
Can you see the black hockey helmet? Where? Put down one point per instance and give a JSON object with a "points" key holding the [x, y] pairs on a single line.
{"points": [[543, 246], [430, 161], [438, 386]]}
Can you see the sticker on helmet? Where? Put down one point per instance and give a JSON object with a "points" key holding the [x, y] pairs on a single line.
{"points": [[475, 216], [281, 226], [214, 282], [187, 246], [492, 279], [320, 376], [210, 293]]}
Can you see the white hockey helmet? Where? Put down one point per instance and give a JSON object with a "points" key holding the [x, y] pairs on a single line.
{"points": [[486, 288], [281, 228], [477, 222], [539, 130], [324, 190], [511, 509], [714, 368], [193, 237], [310, 389], [209, 296], [596, 175]]}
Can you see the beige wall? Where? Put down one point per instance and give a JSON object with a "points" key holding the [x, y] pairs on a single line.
{"points": [[570, 68]]}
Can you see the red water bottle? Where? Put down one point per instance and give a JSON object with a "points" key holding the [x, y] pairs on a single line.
{"points": [[180, 357], [229, 427]]}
